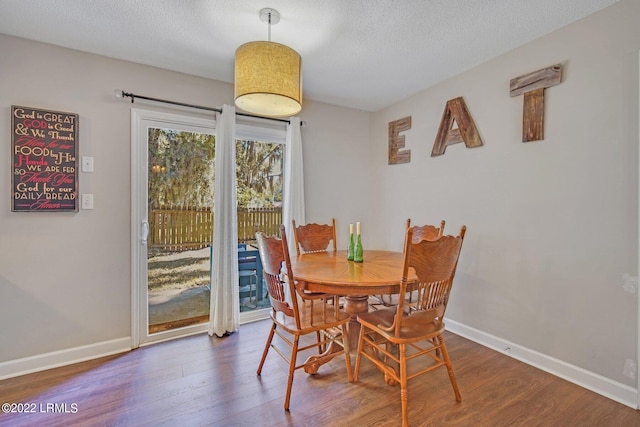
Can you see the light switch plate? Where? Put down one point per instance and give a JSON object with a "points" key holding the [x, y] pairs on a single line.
{"points": [[87, 201], [87, 164]]}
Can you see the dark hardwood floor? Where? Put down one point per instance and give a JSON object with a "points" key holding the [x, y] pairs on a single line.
{"points": [[208, 381]]}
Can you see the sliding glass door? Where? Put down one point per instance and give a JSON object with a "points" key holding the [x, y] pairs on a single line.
{"points": [[180, 217], [172, 219], [172, 201]]}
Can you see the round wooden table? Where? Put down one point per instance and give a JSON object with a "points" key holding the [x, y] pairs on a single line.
{"points": [[330, 272]]}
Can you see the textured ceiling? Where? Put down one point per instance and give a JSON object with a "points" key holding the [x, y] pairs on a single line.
{"points": [[365, 54]]}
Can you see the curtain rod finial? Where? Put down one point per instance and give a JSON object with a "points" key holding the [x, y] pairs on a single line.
{"points": [[119, 93]]}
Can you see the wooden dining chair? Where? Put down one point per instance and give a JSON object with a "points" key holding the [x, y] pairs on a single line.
{"points": [[314, 237], [297, 316], [420, 232], [416, 329], [425, 232]]}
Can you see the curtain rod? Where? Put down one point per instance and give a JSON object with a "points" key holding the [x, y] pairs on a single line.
{"points": [[122, 94]]}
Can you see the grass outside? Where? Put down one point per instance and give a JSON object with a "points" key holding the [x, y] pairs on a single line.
{"points": [[179, 270]]}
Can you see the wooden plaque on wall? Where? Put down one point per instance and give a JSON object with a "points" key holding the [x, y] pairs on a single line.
{"points": [[45, 166]]}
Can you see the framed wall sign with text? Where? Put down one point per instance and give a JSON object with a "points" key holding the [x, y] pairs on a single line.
{"points": [[45, 166]]}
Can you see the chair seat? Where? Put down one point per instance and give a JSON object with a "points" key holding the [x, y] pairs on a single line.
{"points": [[409, 333], [308, 323], [391, 300], [313, 295]]}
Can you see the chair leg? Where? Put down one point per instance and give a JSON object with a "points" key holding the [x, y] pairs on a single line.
{"points": [[404, 398], [292, 369], [356, 370], [447, 362], [347, 355], [250, 289], [436, 342], [321, 348], [266, 348]]}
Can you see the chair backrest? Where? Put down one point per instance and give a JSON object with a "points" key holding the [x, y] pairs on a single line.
{"points": [[314, 237], [274, 253], [425, 232], [435, 263]]}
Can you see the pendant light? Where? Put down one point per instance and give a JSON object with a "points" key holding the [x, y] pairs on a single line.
{"points": [[268, 78]]}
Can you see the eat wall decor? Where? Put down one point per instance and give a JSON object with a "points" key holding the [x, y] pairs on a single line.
{"points": [[457, 125], [532, 85]]}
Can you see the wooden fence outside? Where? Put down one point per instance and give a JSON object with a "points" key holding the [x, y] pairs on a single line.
{"points": [[179, 229]]}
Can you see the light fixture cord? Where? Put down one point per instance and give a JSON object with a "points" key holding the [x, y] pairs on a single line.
{"points": [[269, 26]]}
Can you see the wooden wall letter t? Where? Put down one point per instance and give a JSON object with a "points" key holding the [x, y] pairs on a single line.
{"points": [[533, 86], [456, 113], [396, 141]]}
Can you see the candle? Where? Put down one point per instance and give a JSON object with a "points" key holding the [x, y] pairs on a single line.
{"points": [[350, 228], [358, 227]]}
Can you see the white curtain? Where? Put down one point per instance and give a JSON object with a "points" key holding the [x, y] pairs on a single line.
{"points": [[224, 314], [293, 181]]}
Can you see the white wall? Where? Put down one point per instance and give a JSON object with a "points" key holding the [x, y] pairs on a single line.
{"points": [[65, 277], [336, 164], [552, 224]]}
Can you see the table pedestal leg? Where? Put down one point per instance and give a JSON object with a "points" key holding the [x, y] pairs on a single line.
{"points": [[354, 305]]}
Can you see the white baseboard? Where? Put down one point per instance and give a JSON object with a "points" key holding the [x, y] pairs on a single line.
{"points": [[591, 381], [254, 315], [55, 359]]}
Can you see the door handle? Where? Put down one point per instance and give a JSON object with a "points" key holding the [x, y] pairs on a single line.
{"points": [[144, 232]]}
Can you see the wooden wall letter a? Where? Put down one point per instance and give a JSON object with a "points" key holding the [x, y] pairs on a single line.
{"points": [[396, 141], [533, 86], [456, 113]]}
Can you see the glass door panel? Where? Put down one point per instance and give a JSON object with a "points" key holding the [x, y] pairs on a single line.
{"points": [[180, 217], [259, 193]]}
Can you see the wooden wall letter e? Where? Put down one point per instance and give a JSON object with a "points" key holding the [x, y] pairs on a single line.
{"points": [[396, 141], [533, 86], [456, 126]]}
